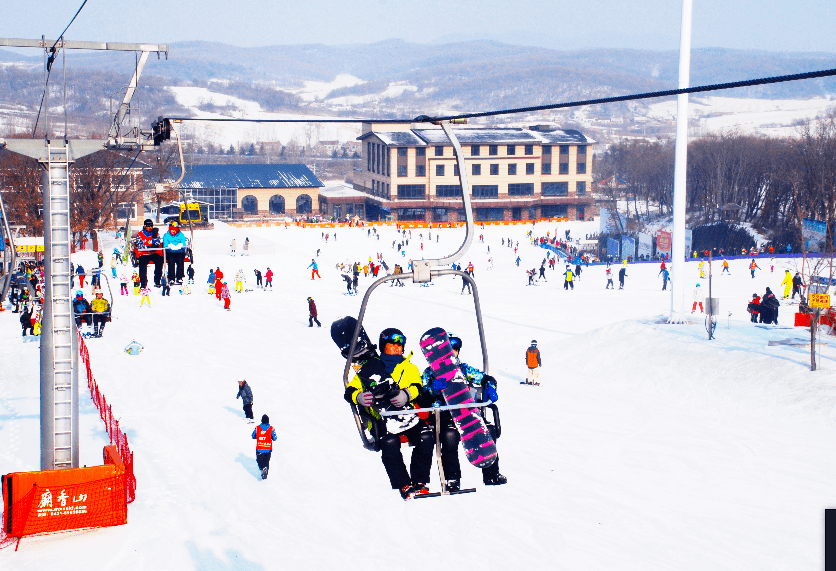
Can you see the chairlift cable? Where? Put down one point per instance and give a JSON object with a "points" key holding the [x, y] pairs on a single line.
{"points": [[52, 53], [600, 101]]}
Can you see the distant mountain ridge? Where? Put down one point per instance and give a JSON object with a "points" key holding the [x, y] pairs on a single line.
{"points": [[463, 76]]}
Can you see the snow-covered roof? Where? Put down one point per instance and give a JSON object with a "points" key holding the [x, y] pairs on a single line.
{"points": [[478, 136], [341, 191], [250, 176]]}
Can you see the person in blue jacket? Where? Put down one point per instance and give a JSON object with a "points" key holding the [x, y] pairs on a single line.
{"points": [[264, 436], [449, 434], [175, 244]]}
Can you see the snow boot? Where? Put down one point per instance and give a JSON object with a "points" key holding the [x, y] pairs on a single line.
{"points": [[408, 492], [453, 485], [497, 480], [264, 473]]}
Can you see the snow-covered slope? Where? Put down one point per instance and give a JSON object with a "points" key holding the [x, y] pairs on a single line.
{"points": [[645, 447]]}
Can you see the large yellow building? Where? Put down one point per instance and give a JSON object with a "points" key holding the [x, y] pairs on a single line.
{"points": [[410, 173]]}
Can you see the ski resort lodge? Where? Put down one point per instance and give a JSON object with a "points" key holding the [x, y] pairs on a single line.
{"points": [[410, 173], [251, 190]]}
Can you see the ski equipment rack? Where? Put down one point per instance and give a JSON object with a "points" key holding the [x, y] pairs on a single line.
{"points": [[423, 271]]}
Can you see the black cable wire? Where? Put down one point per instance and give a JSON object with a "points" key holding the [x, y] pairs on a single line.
{"points": [[600, 101], [52, 53]]}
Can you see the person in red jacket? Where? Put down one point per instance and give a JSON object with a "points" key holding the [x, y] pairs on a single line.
{"points": [[754, 307], [268, 277], [264, 436], [312, 313], [148, 248], [219, 283]]}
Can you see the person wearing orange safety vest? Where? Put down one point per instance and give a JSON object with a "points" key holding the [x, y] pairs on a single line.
{"points": [[532, 361], [264, 436]]}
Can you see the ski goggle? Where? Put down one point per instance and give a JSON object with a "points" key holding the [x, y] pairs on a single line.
{"points": [[394, 338], [455, 343]]}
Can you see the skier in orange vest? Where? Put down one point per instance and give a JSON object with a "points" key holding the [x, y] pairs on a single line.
{"points": [[532, 361], [264, 436]]}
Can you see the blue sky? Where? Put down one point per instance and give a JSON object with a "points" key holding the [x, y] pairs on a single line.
{"points": [[775, 25]]}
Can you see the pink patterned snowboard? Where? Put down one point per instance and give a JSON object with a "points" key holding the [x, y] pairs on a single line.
{"points": [[476, 439]]}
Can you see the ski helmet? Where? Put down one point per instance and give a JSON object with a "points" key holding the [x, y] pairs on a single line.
{"points": [[147, 222], [393, 336], [79, 293], [265, 419], [455, 341]]}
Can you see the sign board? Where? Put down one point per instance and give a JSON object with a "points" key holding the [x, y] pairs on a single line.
{"points": [[645, 245], [688, 242], [819, 300], [628, 247], [813, 233], [663, 242], [612, 248]]}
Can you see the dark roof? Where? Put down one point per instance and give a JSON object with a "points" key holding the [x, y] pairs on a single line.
{"points": [[249, 176], [479, 136], [395, 138], [567, 136], [476, 136]]}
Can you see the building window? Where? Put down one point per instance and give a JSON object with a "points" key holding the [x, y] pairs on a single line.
{"points": [[476, 170], [555, 189], [521, 189], [456, 169], [580, 187], [582, 150], [581, 168], [439, 151], [495, 169], [439, 170], [555, 210], [401, 151], [529, 149], [420, 170], [474, 150], [448, 190], [387, 191], [546, 168], [564, 150], [369, 157], [564, 168], [547, 149], [439, 215], [420, 152], [411, 213], [529, 168], [485, 191], [401, 170], [411, 190], [493, 150], [489, 214], [512, 150], [512, 168]]}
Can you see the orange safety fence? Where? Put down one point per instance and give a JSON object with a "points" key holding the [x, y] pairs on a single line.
{"points": [[61, 500], [117, 437]]}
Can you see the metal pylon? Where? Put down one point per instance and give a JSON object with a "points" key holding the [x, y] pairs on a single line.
{"points": [[59, 374]]}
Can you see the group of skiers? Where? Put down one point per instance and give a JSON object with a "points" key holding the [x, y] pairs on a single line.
{"points": [[263, 434]]}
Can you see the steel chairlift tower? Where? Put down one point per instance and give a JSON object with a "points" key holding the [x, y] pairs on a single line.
{"points": [[59, 345]]}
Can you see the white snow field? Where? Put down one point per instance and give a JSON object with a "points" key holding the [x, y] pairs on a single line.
{"points": [[646, 446]]}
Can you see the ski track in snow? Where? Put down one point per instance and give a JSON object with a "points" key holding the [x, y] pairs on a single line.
{"points": [[645, 447]]}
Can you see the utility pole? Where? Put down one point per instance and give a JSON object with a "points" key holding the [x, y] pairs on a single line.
{"points": [[59, 344], [678, 254]]}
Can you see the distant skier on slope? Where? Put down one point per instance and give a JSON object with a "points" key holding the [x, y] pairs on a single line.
{"points": [[245, 393], [533, 362]]}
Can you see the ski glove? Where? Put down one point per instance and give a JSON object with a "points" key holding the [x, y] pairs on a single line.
{"points": [[439, 384], [365, 399], [400, 399], [490, 388]]}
